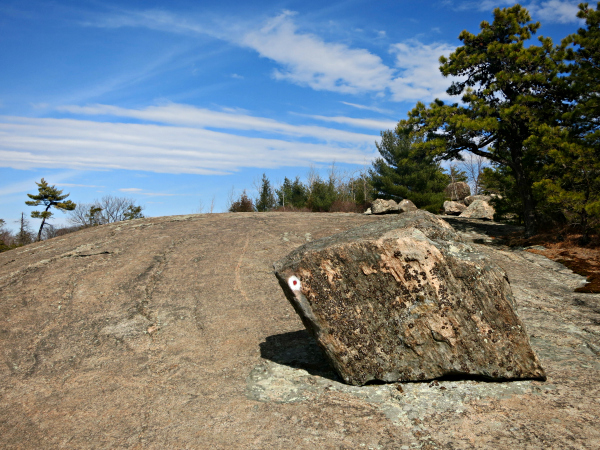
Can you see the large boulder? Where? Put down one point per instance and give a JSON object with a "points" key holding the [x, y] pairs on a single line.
{"points": [[457, 191], [453, 208], [479, 210], [405, 299], [471, 198], [406, 206], [380, 206]]}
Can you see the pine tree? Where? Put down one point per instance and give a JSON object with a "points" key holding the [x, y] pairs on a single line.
{"points": [[50, 197], [322, 195], [568, 185], [404, 171], [293, 194], [266, 197], [509, 91]]}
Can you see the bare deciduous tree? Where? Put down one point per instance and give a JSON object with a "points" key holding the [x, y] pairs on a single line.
{"points": [[473, 166], [108, 209]]}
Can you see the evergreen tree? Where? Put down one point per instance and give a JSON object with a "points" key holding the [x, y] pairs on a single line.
{"points": [[509, 92], [133, 212], [292, 193], [50, 197], [5, 237], [266, 197], [583, 49], [570, 179], [404, 171], [322, 195]]}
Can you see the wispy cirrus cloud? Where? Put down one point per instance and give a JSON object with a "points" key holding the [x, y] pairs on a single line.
{"points": [[79, 185], [138, 191], [307, 59], [368, 108], [178, 114], [177, 141], [374, 124], [553, 11]]}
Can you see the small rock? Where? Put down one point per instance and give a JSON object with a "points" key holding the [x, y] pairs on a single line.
{"points": [[471, 198], [381, 206], [404, 300], [406, 206], [368, 212], [479, 210], [453, 208], [457, 191]]}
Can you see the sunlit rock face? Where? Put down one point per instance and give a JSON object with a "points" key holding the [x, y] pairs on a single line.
{"points": [[479, 209], [404, 299]]}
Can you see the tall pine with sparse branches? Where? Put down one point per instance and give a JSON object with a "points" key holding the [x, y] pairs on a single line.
{"points": [[509, 93], [50, 197]]}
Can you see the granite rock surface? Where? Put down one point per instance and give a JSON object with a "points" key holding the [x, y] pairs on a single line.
{"points": [[380, 206], [479, 209], [172, 332], [453, 208]]}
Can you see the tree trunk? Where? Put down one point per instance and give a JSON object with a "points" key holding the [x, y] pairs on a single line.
{"points": [[39, 238], [526, 194]]}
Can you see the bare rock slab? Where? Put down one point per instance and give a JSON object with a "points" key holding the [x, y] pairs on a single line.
{"points": [[404, 299]]}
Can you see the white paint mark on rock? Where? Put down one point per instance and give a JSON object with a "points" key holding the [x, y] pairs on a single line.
{"points": [[294, 283]]}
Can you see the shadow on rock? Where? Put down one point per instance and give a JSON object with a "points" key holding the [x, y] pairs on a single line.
{"points": [[500, 231], [299, 350]]}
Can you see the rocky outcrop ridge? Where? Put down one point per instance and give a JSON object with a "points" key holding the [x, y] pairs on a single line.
{"points": [[172, 332]]}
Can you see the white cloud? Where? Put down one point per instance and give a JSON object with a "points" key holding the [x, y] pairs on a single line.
{"points": [[308, 60], [420, 77], [82, 144], [485, 5], [154, 19], [368, 108], [131, 190], [560, 11], [361, 123], [228, 119]]}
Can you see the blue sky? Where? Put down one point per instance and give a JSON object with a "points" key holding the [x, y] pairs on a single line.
{"points": [[176, 103]]}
